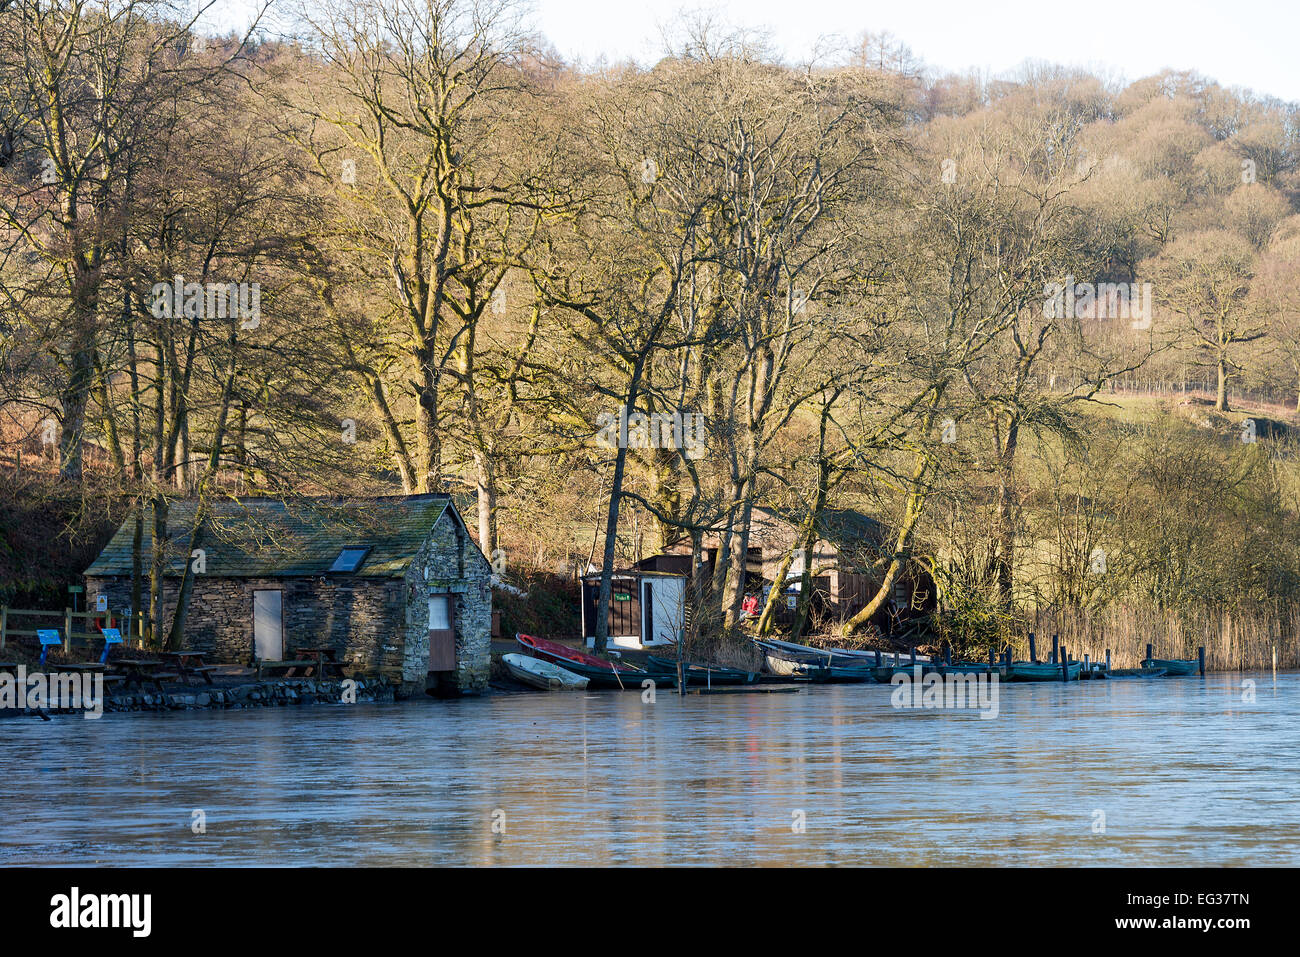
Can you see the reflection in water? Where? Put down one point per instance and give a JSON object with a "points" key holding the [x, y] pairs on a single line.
{"points": [[1184, 771]]}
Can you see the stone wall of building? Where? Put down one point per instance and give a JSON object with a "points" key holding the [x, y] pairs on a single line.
{"points": [[378, 626], [450, 563], [358, 617]]}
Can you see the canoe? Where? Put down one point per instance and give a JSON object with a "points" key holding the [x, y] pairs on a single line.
{"points": [[1042, 671], [598, 672], [1175, 667], [1136, 673], [703, 674], [545, 675]]}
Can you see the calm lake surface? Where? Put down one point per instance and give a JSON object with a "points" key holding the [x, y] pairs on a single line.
{"points": [[1184, 771]]}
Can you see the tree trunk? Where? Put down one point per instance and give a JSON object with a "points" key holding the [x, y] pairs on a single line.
{"points": [[902, 547], [487, 503], [1006, 529], [1221, 402]]}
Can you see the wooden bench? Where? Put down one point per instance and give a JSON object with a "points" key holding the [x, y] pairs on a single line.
{"points": [[288, 667]]}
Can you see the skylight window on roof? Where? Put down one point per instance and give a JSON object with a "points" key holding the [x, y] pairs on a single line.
{"points": [[350, 559]]}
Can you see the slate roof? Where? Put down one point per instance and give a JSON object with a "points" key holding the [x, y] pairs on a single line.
{"points": [[270, 538]]}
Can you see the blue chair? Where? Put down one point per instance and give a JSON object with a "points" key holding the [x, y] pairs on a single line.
{"points": [[112, 636], [48, 637]]}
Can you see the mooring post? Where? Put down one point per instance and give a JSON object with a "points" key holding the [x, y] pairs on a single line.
{"points": [[1065, 665], [1149, 658], [1006, 657], [1055, 649], [947, 654], [1108, 659], [877, 657], [1200, 656], [990, 657], [1087, 664], [1033, 653]]}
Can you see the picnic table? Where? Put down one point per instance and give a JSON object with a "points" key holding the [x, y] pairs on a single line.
{"points": [[288, 668], [326, 658], [136, 671], [189, 664]]}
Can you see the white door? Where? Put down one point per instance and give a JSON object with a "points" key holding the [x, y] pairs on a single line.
{"points": [[268, 639]]}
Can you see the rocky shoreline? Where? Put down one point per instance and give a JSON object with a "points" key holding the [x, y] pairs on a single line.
{"points": [[262, 694]]}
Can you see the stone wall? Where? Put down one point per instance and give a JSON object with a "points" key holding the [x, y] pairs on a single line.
{"points": [[379, 626], [450, 563], [358, 617]]}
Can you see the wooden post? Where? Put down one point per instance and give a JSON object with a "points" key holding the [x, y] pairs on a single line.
{"points": [[67, 630], [1108, 659], [1033, 653], [1274, 659], [1086, 663], [1055, 649], [1065, 664], [1006, 657], [1200, 656], [1149, 658], [877, 657], [947, 654], [990, 657]]}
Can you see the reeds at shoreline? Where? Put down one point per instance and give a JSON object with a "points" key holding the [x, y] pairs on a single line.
{"points": [[1236, 638]]}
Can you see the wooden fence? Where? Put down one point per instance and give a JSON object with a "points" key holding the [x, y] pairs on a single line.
{"points": [[64, 619]]}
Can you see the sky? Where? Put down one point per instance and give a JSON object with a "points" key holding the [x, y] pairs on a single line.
{"points": [[1247, 43]]}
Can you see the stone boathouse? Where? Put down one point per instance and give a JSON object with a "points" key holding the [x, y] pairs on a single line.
{"points": [[396, 586]]}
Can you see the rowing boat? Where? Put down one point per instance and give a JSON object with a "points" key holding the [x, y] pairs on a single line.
{"points": [[790, 660], [545, 675], [1136, 673], [697, 673], [1174, 667], [845, 657], [598, 672], [1042, 671]]}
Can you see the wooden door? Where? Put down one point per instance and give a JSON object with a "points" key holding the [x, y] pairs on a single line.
{"points": [[268, 625], [442, 633]]}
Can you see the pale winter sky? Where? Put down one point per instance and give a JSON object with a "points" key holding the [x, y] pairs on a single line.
{"points": [[1248, 43]]}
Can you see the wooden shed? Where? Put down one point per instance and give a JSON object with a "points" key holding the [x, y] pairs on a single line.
{"points": [[646, 608]]}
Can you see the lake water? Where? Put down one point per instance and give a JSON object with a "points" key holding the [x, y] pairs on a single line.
{"points": [[1184, 771]]}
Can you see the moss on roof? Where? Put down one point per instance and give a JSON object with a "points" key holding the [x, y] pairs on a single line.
{"points": [[270, 538]]}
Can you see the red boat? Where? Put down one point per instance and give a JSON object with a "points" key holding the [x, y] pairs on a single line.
{"points": [[598, 672], [563, 654]]}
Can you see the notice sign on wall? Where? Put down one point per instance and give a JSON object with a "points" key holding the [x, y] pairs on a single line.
{"points": [[101, 603]]}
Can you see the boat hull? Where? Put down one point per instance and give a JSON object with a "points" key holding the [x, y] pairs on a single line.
{"points": [[1174, 667], [700, 674], [1034, 671], [543, 675], [599, 673]]}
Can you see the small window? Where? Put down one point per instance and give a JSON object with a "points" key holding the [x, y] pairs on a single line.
{"points": [[350, 559], [439, 613]]}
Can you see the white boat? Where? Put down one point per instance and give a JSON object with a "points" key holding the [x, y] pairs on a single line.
{"points": [[542, 674]]}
